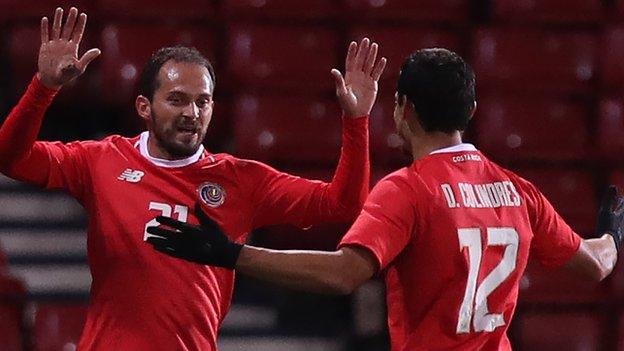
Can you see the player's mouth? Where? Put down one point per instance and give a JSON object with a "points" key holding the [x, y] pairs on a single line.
{"points": [[187, 130]]}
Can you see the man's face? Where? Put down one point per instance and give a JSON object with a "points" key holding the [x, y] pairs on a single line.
{"points": [[400, 122], [399, 116], [181, 108]]}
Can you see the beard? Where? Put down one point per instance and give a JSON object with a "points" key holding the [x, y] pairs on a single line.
{"points": [[179, 139]]}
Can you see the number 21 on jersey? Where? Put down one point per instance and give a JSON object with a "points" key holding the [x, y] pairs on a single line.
{"points": [[474, 306], [180, 211]]}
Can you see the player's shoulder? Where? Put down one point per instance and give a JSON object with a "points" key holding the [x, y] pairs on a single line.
{"points": [[118, 140], [239, 163], [101, 144], [243, 164], [406, 178], [399, 175], [520, 182], [240, 167]]}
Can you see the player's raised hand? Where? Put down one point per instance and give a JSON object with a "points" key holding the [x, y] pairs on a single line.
{"points": [[58, 54], [204, 244], [611, 216], [357, 90]]}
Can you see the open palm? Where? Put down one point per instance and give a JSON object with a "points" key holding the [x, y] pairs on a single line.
{"points": [[357, 90], [58, 55]]}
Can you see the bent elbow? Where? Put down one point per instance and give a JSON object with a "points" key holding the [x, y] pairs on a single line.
{"points": [[342, 283], [343, 287]]}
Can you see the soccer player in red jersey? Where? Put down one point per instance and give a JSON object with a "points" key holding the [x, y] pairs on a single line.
{"points": [[451, 233], [140, 299]]}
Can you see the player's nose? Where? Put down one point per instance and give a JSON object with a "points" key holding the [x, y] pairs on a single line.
{"points": [[191, 110]]}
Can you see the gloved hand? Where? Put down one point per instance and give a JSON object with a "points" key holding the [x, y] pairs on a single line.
{"points": [[611, 216], [204, 244]]}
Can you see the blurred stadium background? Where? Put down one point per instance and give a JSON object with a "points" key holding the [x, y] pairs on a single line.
{"points": [[550, 82]]}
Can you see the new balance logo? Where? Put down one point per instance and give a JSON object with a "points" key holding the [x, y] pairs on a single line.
{"points": [[131, 176]]}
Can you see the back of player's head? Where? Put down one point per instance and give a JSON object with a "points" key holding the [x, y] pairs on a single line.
{"points": [[441, 85], [148, 83]]}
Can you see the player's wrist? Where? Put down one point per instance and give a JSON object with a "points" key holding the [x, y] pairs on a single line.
{"points": [[617, 240], [354, 115], [231, 253], [609, 237], [46, 83], [608, 225]]}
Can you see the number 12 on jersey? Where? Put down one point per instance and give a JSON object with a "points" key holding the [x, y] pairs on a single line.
{"points": [[474, 307]]}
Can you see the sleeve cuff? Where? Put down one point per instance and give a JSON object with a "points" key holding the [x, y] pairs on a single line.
{"points": [[40, 90], [355, 120], [357, 243]]}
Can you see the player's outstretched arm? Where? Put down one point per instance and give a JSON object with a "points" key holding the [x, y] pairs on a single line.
{"points": [[58, 63], [338, 272], [356, 92], [596, 258], [287, 199]]}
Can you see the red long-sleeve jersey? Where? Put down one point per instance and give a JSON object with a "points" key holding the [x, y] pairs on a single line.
{"points": [[140, 298], [453, 233]]}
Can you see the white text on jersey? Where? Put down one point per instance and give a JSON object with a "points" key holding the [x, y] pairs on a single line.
{"points": [[466, 157], [131, 176], [488, 195]]}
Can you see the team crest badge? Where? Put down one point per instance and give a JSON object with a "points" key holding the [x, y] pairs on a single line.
{"points": [[211, 194]]}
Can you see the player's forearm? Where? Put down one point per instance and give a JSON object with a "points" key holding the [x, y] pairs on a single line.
{"points": [[20, 129], [605, 253], [596, 258], [350, 184], [315, 271]]}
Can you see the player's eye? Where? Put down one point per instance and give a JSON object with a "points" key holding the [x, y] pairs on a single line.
{"points": [[175, 100], [203, 103]]}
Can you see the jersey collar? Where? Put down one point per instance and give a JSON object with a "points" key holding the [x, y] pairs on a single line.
{"points": [[142, 145], [455, 148]]}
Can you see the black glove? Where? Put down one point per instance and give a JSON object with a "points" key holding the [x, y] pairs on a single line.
{"points": [[205, 243], [611, 216]]}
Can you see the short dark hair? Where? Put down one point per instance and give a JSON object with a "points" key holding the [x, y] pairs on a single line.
{"points": [[148, 83], [441, 85]]}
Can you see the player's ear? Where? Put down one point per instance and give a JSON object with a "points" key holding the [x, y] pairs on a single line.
{"points": [[143, 107], [474, 108]]}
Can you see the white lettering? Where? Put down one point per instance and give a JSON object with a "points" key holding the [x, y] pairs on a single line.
{"points": [[482, 194], [466, 157], [449, 195], [488, 195]]}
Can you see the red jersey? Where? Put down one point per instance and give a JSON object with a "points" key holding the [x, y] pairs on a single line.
{"points": [[140, 298], [452, 234]]}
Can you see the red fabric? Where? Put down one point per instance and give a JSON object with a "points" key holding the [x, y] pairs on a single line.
{"points": [[19, 131], [140, 298], [421, 240]]}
